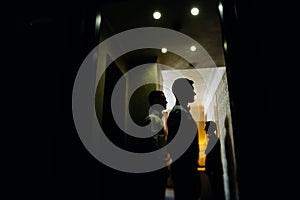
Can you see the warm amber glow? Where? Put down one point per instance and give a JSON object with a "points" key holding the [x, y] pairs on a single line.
{"points": [[201, 169], [202, 142]]}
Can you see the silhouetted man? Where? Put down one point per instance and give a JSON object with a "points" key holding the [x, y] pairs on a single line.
{"points": [[184, 173]]}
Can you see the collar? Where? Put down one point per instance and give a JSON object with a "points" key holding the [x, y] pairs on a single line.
{"points": [[185, 109]]}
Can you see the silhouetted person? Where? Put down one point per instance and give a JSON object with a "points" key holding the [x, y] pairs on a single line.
{"points": [[184, 173], [158, 103], [213, 163], [152, 185]]}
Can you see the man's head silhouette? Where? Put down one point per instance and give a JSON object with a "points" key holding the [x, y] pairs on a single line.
{"points": [[183, 90]]}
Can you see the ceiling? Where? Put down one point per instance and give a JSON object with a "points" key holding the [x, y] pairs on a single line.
{"points": [[118, 16]]}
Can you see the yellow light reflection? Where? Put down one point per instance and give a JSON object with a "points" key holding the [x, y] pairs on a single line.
{"points": [[202, 142]]}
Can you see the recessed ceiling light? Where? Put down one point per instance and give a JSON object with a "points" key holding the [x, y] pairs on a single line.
{"points": [[156, 15], [193, 48], [164, 50], [195, 11]]}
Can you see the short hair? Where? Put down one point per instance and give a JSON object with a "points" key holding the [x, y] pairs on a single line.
{"points": [[181, 84], [154, 96]]}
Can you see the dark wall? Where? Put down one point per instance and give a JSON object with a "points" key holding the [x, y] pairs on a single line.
{"points": [[53, 38], [245, 28]]}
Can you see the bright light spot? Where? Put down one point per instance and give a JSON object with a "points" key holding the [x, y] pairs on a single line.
{"points": [[164, 50], [98, 21], [225, 46], [193, 48], [220, 7], [156, 15], [195, 11]]}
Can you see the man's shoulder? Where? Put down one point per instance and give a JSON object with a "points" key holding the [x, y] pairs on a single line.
{"points": [[174, 115], [154, 119]]}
